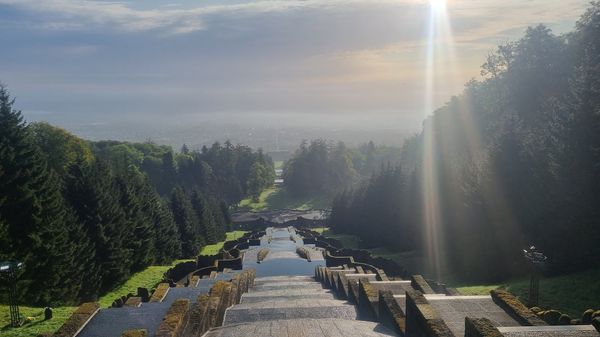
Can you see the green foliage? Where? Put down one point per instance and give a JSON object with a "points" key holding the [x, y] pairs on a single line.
{"points": [[60, 148]]}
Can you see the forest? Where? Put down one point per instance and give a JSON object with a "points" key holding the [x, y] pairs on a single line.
{"points": [[322, 167], [514, 161], [83, 216]]}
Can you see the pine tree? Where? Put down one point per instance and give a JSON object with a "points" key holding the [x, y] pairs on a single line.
{"points": [[206, 222], [95, 198], [32, 213], [187, 223], [134, 201]]}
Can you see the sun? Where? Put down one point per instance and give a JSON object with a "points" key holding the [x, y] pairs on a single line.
{"points": [[437, 4]]}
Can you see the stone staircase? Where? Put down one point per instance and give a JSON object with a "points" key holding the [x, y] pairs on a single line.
{"points": [[411, 308], [294, 306]]}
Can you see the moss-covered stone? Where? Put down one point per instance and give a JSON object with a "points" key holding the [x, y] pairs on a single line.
{"points": [[575, 322], [564, 319], [78, 319], [172, 323], [160, 292], [535, 309], [480, 327], [596, 323], [586, 318], [596, 314], [135, 333], [390, 312], [552, 316], [418, 282], [515, 308]]}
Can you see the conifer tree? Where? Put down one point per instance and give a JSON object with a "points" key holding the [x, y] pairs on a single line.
{"points": [[32, 212], [94, 196], [187, 223]]}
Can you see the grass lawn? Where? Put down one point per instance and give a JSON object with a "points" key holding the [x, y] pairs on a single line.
{"points": [[347, 240], [278, 198], [37, 326], [571, 294], [214, 248], [278, 164]]}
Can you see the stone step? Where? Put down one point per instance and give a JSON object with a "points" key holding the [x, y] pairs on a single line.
{"points": [[313, 296], [286, 292], [284, 278], [331, 327], [550, 331], [291, 309], [285, 285]]}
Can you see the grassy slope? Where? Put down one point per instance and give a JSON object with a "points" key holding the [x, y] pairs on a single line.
{"points": [[214, 248], [571, 294], [147, 278], [279, 198]]}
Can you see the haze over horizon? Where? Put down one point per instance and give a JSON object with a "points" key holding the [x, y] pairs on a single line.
{"points": [[265, 73]]}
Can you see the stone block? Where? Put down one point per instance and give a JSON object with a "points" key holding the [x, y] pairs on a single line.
{"points": [[174, 321], [515, 308], [78, 319], [390, 313], [135, 333], [160, 292], [420, 284], [480, 327]]}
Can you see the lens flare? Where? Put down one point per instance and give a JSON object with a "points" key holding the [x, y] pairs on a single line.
{"points": [[439, 54], [437, 4]]}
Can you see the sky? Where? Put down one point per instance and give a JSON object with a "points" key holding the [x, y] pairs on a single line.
{"points": [[340, 63]]}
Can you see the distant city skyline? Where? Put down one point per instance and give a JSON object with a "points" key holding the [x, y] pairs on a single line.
{"points": [[313, 62]]}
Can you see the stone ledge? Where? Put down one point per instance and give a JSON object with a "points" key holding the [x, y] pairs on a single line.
{"points": [[135, 333], [480, 327], [133, 302], [390, 313], [422, 319], [78, 319], [419, 283], [160, 292], [368, 298], [515, 308], [173, 322]]}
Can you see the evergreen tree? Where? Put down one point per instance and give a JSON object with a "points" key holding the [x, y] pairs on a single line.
{"points": [[187, 223], [32, 213], [95, 198]]}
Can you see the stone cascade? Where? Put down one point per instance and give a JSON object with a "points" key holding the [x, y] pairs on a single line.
{"points": [[411, 308], [170, 311]]}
